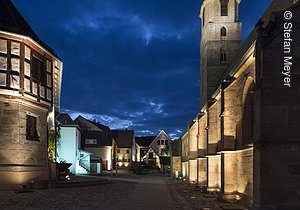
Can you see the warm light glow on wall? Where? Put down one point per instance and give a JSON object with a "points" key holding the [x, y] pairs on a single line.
{"points": [[185, 169], [214, 172], [192, 171], [202, 164]]}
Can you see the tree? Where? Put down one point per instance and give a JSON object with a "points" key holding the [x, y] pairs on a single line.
{"points": [[51, 145], [166, 153]]}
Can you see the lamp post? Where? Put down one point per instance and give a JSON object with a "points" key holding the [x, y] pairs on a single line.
{"points": [[116, 162]]}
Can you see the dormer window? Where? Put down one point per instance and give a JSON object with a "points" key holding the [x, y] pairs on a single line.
{"points": [[224, 7], [223, 33]]}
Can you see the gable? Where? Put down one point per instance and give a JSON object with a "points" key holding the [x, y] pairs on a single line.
{"points": [[147, 154], [161, 136]]}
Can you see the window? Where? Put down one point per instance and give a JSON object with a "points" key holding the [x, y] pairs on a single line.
{"points": [[236, 9], [118, 151], [31, 131], [150, 155], [27, 53], [38, 70], [49, 92], [3, 63], [203, 17], [3, 46], [2, 79], [27, 69], [223, 56], [223, 32], [127, 151], [224, 7], [15, 48], [158, 142], [91, 141]]}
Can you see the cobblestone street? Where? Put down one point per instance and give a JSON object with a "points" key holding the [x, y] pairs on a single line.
{"points": [[124, 192]]}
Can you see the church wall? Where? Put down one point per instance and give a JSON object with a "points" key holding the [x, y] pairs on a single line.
{"points": [[244, 172], [244, 83], [192, 171], [185, 169], [214, 173], [202, 123], [185, 148], [277, 151], [202, 171], [229, 174], [193, 133], [213, 132], [176, 167], [230, 116]]}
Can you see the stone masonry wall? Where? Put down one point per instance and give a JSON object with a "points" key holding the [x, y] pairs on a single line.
{"points": [[21, 160]]}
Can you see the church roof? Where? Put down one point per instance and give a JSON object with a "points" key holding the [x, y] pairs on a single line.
{"points": [[12, 21]]}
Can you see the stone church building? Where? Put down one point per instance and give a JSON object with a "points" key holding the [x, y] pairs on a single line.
{"points": [[30, 83], [245, 142]]}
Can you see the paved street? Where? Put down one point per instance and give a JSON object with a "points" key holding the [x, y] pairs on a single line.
{"points": [[151, 191]]}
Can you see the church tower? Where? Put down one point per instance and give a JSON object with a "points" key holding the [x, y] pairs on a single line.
{"points": [[221, 39]]}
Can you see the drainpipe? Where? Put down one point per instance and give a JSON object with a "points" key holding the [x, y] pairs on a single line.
{"points": [[55, 140], [116, 159]]}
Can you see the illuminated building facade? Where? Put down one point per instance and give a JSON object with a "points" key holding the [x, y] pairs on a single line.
{"points": [[150, 148], [125, 147], [30, 82], [97, 140], [69, 148], [245, 142]]}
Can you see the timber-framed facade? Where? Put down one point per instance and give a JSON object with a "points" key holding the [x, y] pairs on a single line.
{"points": [[30, 84]]}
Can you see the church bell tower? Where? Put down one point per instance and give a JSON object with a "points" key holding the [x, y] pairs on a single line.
{"points": [[221, 39]]}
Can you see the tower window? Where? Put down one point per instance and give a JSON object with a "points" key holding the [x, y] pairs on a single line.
{"points": [[224, 7], [223, 56], [223, 32], [203, 17], [236, 9]]}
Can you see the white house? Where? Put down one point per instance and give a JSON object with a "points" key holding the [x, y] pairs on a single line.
{"points": [[69, 149]]}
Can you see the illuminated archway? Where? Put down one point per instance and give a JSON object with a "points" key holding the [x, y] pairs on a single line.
{"points": [[245, 125]]}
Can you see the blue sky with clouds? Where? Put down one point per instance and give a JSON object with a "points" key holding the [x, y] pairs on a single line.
{"points": [[129, 63]]}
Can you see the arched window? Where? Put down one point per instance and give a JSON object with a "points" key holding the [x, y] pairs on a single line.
{"points": [[223, 55], [224, 7], [223, 32]]}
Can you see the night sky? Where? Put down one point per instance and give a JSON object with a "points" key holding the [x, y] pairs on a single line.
{"points": [[129, 63]]}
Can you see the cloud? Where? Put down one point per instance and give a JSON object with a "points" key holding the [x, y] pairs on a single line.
{"points": [[112, 122], [128, 63]]}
